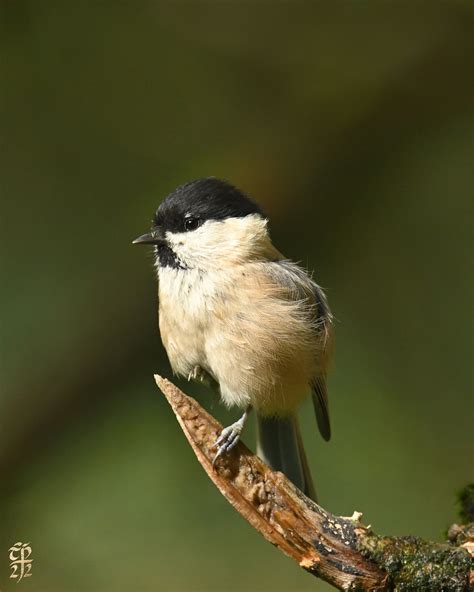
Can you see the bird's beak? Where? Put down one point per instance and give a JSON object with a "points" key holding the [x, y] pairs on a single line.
{"points": [[155, 237]]}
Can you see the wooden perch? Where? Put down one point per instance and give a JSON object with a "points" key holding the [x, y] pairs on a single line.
{"points": [[341, 551]]}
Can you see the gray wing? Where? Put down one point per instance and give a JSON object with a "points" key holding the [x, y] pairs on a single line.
{"points": [[319, 389], [321, 408], [301, 286]]}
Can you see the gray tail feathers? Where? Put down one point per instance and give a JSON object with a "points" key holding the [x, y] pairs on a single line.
{"points": [[279, 444]]}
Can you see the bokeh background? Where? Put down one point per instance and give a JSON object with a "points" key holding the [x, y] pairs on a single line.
{"points": [[353, 124]]}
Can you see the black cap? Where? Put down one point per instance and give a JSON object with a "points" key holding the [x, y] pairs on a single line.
{"points": [[204, 199]]}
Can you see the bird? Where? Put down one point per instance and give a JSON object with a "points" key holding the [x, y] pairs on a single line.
{"points": [[236, 314]]}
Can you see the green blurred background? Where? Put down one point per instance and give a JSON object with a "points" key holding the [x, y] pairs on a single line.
{"points": [[352, 123]]}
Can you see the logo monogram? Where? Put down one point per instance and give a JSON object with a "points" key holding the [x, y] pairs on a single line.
{"points": [[19, 562]]}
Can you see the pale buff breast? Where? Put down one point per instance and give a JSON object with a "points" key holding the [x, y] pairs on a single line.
{"points": [[183, 319], [263, 349], [260, 345]]}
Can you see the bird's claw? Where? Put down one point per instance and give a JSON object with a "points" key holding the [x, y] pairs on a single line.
{"points": [[199, 375], [195, 373], [228, 439]]}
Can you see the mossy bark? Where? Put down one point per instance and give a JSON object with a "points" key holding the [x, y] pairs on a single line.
{"points": [[413, 564]]}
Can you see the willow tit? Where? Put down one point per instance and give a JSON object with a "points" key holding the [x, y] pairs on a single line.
{"points": [[234, 312]]}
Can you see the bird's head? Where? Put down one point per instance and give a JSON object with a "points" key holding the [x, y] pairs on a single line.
{"points": [[207, 224]]}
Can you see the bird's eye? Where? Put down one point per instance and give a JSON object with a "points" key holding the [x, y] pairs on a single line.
{"points": [[191, 223]]}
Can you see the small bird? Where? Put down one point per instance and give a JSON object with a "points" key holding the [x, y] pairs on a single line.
{"points": [[237, 314]]}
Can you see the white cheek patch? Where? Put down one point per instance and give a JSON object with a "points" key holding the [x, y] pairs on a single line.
{"points": [[217, 242], [185, 244]]}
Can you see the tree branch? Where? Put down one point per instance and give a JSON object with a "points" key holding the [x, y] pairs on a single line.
{"points": [[341, 551]]}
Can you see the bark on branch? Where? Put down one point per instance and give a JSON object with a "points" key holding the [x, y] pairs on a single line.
{"points": [[341, 551]]}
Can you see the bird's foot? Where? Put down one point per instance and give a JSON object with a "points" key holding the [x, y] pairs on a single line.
{"points": [[199, 375], [229, 437]]}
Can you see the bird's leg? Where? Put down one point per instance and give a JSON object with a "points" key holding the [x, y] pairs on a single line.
{"points": [[230, 436]]}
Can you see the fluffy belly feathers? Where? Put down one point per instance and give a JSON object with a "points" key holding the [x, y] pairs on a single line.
{"points": [[260, 346]]}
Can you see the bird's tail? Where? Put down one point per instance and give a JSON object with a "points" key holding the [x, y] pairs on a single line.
{"points": [[280, 445]]}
